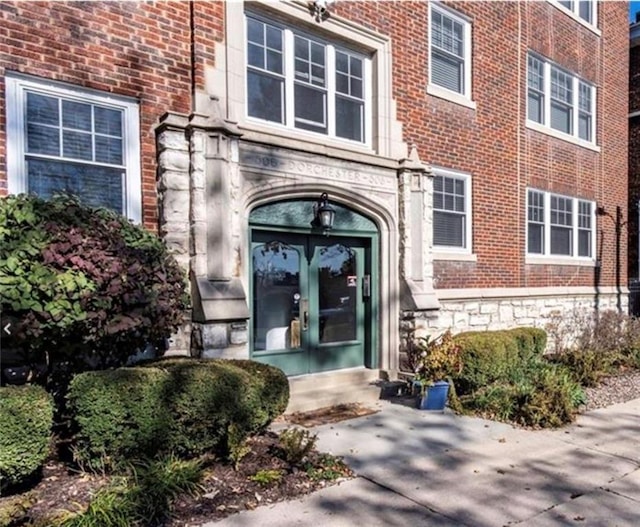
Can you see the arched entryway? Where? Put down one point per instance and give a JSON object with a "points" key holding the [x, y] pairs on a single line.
{"points": [[314, 297]]}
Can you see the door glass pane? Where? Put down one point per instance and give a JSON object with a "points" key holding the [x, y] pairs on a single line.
{"points": [[276, 297], [337, 294]]}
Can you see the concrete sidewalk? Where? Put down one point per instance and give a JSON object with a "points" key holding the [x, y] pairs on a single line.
{"points": [[423, 468]]}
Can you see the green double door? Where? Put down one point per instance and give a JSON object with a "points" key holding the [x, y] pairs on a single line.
{"points": [[311, 301]]}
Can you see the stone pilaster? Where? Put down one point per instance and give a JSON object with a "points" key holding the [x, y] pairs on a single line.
{"points": [[415, 188]]}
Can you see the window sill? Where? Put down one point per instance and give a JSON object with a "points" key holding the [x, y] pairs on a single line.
{"points": [[532, 125], [451, 96], [559, 260], [581, 21], [446, 256]]}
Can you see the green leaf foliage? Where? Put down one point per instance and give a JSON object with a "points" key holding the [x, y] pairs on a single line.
{"points": [[82, 285], [181, 406], [26, 414]]}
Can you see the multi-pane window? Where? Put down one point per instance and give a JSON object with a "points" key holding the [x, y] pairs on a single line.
{"points": [[450, 60], [559, 225], [451, 214], [584, 9], [535, 222], [304, 82], [535, 80], [585, 228], [559, 100], [561, 222], [67, 140], [265, 71]]}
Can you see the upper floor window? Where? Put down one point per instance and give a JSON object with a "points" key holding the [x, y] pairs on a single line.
{"points": [[583, 9], [560, 226], [451, 210], [450, 51], [559, 100], [63, 139], [304, 82]]}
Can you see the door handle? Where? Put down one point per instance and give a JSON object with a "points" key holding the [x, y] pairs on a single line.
{"points": [[304, 308]]}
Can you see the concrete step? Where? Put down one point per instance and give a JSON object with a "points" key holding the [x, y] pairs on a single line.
{"points": [[319, 390]]}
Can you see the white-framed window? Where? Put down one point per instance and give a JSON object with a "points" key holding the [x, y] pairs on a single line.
{"points": [[560, 226], [560, 101], [449, 53], [585, 10], [301, 81], [65, 139], [451, 211]]}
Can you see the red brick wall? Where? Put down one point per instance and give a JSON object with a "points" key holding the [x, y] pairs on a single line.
{"points": [[492, 142], [136, 49], [634, 158], [144, 50]]}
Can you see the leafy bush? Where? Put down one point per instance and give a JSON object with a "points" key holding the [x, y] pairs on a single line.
{"points": [[83, 286], [487, 357], [296, 444], [26, 415], [553, 399], [532, 342], [438, 358], [183, 406], [119, 414]]}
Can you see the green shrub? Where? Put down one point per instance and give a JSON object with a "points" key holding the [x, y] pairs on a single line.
{"points": [[26, 415], [587, 367], [296, 444], [273, 386], [553, 399], [187, 407], [83, 286], [532, 342], [119, 414], [487, 357]]}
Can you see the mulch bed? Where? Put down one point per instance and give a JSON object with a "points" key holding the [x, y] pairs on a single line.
{"points": [[226, 490]]}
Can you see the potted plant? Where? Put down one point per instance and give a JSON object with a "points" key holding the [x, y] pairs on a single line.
{"points": [[437, 359]]}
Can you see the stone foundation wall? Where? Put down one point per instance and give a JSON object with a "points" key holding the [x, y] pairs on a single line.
{"points": [[483, 314]]}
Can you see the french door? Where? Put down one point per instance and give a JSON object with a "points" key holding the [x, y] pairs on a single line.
{"points": [[310, 300]]}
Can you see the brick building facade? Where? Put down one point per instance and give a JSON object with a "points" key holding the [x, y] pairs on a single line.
{"points": [[474, 154]]}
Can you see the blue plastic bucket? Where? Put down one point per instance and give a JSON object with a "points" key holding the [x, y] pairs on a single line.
{"points": [[435, 396]]}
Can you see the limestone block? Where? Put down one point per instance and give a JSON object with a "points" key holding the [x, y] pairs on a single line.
{"points": [[488, 309], [173, 141], [239, 333], [199, 231], [214, 337], [479, 321], [232, 352], [198, 206], [172, 180], [174, 160], [446, 320], [505, 313], [198, 178], [472, 307], [175, 206], [460, 320]]}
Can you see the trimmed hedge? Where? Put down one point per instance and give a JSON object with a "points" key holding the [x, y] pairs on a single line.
{"points": [[487, 357], [26, 416], [180, 406], [493, 356]]}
